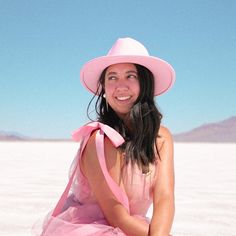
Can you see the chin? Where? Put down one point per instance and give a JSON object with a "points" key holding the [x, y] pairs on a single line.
{"points": [[122, 115]]}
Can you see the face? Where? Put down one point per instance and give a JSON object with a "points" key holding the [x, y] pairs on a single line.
{"points": [[121, 87]]}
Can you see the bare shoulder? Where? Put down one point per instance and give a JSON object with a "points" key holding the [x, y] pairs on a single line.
{"points": [[111, 154], [164, 132], [90, 149], [91, 144], [88, 156], [164, 137]]}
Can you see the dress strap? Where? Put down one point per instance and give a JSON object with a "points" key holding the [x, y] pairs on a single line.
{"points": [[115, 188], [82, 136]]}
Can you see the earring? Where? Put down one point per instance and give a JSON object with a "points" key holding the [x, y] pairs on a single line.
{"points": [[104, 95]]}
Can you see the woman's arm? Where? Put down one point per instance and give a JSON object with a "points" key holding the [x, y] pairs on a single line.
{"points": [[115, 213], [163, 202]]}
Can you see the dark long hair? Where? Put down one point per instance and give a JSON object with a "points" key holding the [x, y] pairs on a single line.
{"points": [[144, 120]]}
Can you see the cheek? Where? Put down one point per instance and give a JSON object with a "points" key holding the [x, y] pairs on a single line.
{"points": [[108, 91], [136, 88]]}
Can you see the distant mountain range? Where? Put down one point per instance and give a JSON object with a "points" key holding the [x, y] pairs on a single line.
{"points": [[8, 136], [223, 131], [11, 136]]}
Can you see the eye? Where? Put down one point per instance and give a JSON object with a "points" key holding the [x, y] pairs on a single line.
{"points": [[111, 77], [132, 76]]}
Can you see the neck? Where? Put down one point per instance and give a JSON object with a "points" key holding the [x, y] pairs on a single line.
{"points": [[127, 123]]}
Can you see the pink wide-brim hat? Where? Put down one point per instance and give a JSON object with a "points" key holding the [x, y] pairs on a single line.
{"points": [[128, 50]]}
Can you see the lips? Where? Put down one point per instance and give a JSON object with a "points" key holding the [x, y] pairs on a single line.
{"points": [[123, 98]]}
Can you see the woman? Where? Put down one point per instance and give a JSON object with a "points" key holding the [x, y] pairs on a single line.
{"points": [[125, 160]]}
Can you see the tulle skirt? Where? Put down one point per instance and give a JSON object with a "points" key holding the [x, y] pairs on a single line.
{"points": [[59, 227], [77, 220]]}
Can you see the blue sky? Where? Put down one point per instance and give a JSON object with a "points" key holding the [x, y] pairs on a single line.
{"points": [[43, 45]]}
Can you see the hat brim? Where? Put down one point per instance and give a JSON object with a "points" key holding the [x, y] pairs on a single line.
{"points": [[163, 72]]}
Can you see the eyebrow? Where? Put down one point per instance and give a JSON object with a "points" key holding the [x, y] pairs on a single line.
{"points": [[131, 71], [127, 72]]}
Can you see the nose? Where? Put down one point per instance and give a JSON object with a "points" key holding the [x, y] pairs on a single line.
{"points": [[122, 85]]}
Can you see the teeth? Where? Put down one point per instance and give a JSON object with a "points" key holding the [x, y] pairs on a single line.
{"points": [[123, 98]]}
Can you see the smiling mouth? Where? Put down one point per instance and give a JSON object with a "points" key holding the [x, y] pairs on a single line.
{"points": [[123, 98]]}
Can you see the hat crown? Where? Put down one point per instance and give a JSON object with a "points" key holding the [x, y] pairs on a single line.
{"points": [[127, 46]]}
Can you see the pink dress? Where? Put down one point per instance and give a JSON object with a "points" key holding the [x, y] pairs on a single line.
{"points": [[79, 214]]}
